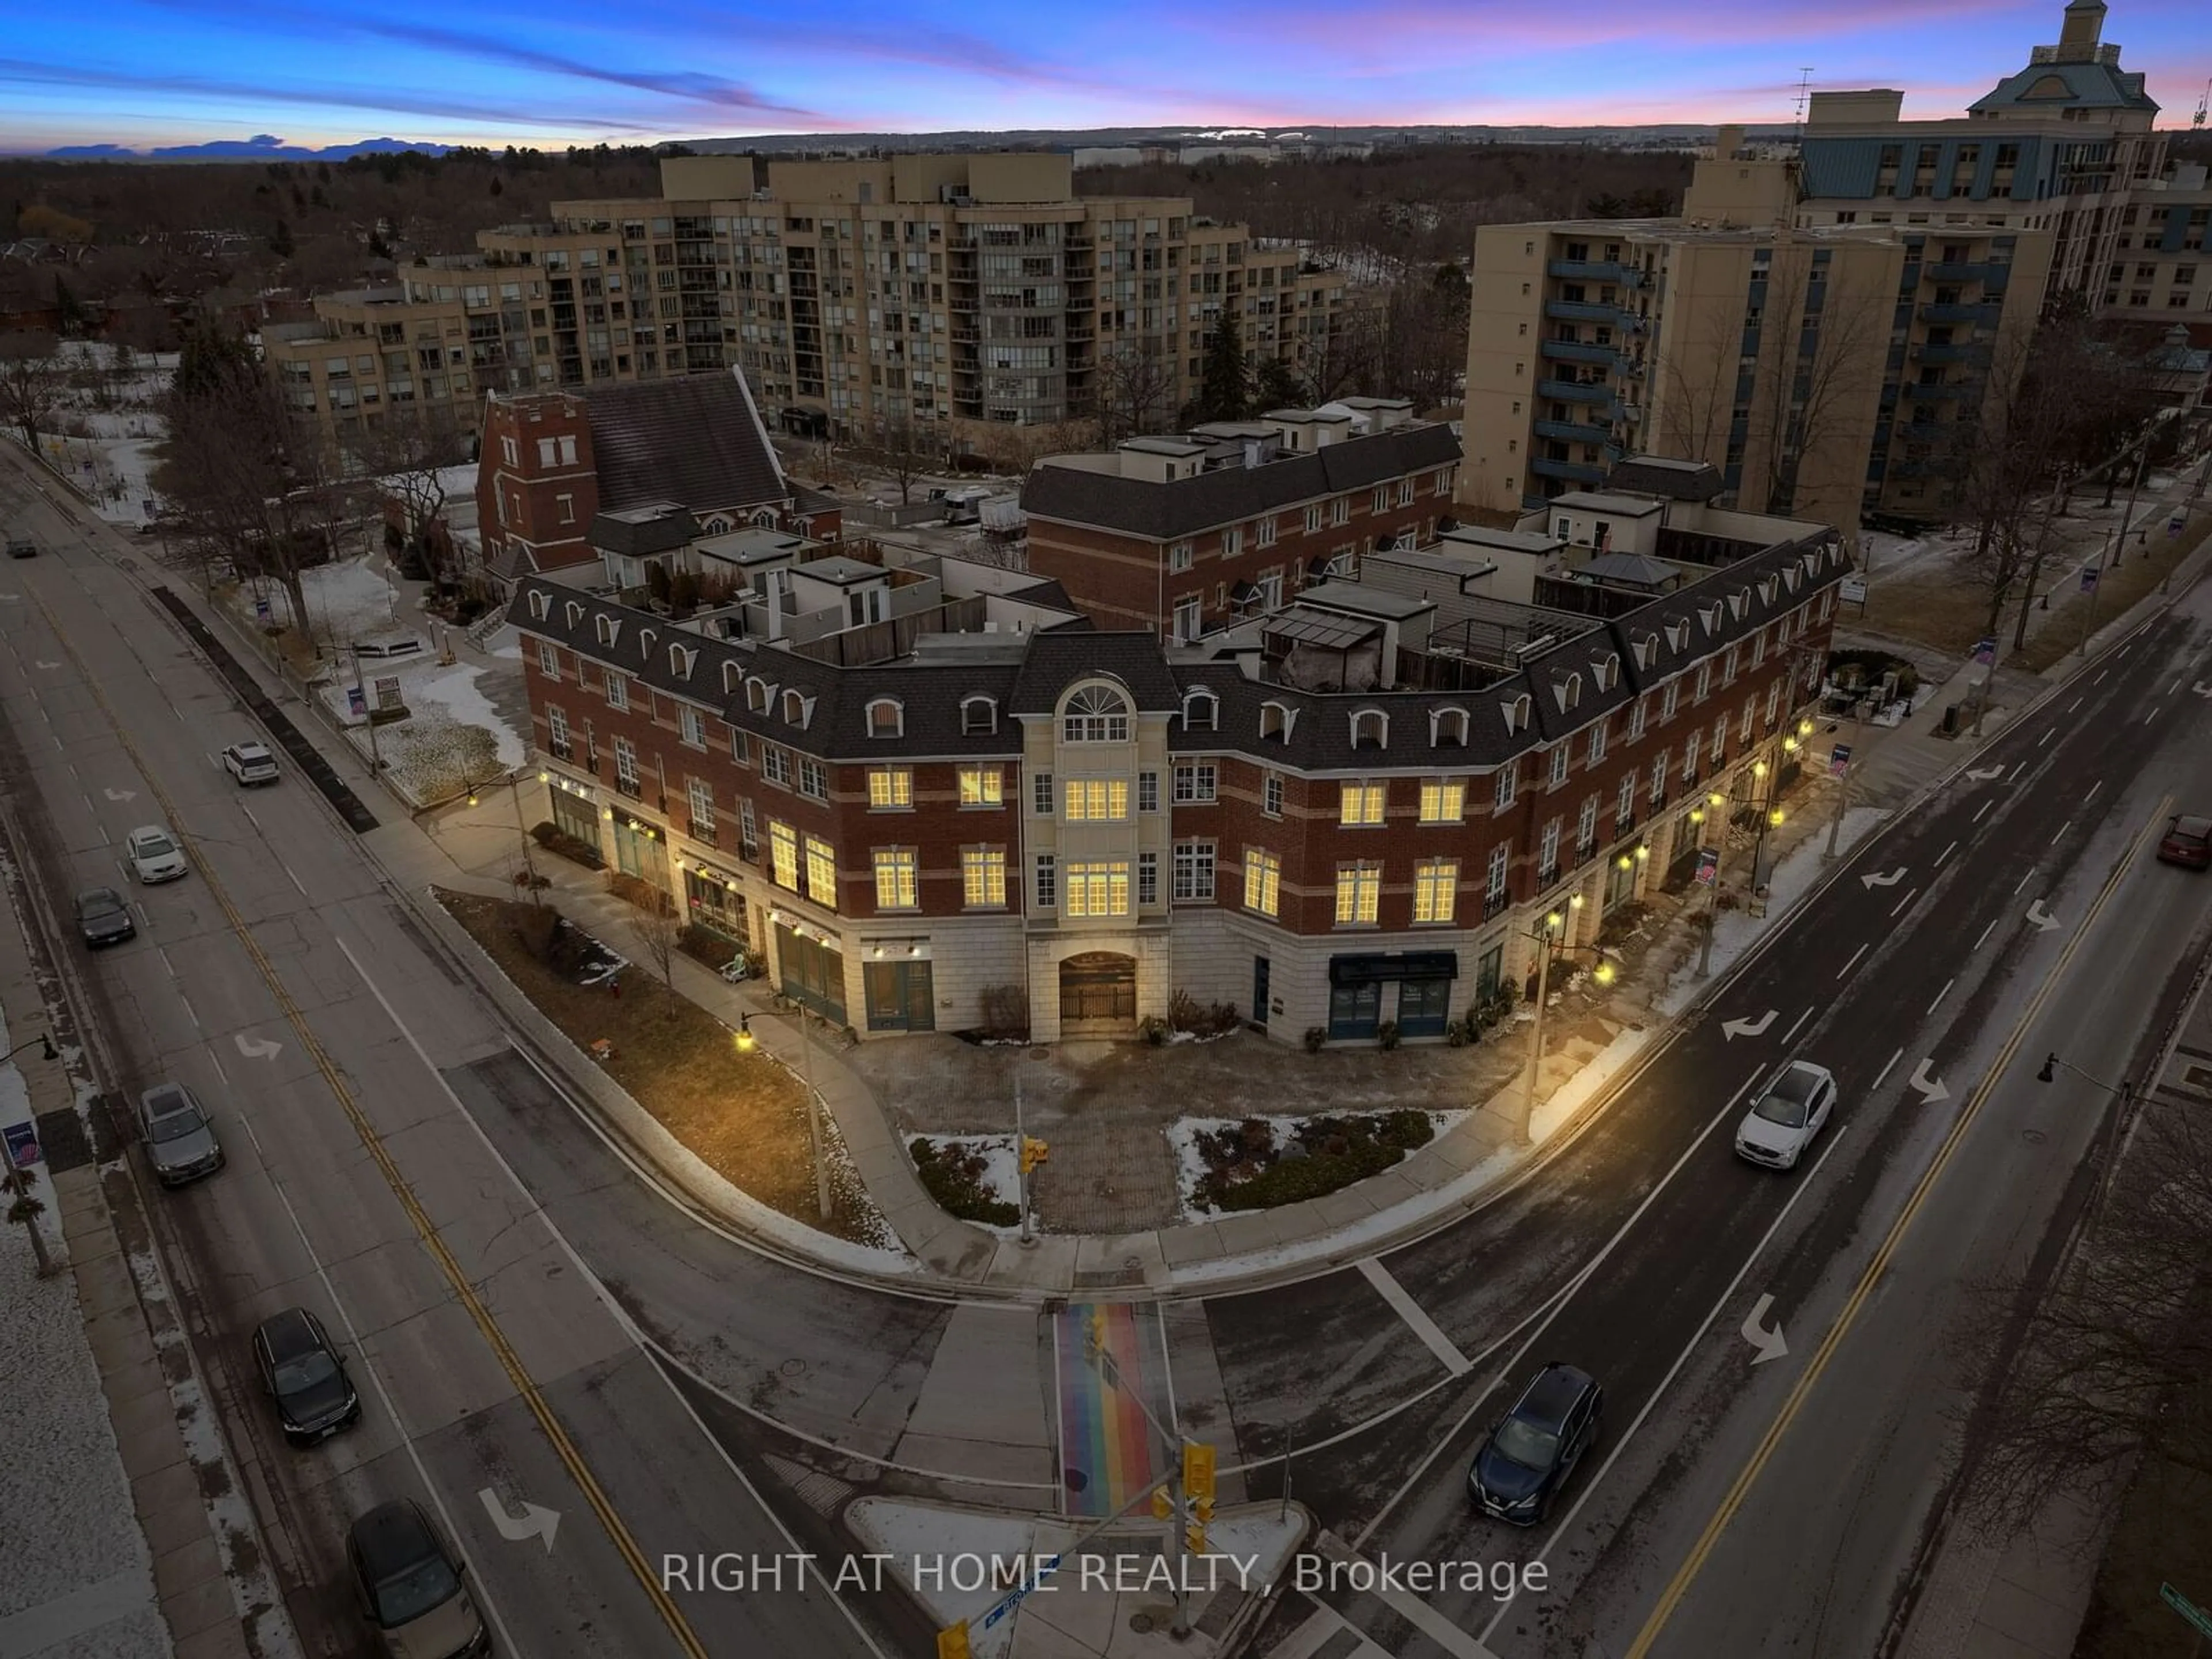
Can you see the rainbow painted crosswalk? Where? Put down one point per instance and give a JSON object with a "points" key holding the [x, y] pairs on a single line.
{"points": [[1108, 1453]]}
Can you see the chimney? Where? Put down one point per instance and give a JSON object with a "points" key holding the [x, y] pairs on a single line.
{"points": [[1726, 142], [2079, 34]]}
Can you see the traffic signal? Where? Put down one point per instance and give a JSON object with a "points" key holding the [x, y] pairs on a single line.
{"points": [[1096, 1331], [952, 1642], [1034, 1152], [1163, 1504], [1194, 1537], [1198, 1471]]}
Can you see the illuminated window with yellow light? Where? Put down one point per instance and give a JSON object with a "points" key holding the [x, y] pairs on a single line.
{"points": [[890, 788], [1263, 881], [1443, 800], [1358, 895], [1436, 889], [821, 871], [983, 878], [1361, 805], [1096, 890], [896, 878], [783, 854], [982, 785], [1097, 800]]}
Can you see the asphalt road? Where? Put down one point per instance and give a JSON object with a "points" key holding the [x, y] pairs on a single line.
{"points": [[290, 989], [1934, 962]]}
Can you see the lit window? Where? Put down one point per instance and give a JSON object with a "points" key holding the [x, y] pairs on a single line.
{"points": [[783, 854], [1097, 800], [896, 878], [1359, 894], [890, 788], [821, 871], [1098, 890], [1263, 881], [1361, 805], [983, 878], [1436, 889], [1443, 800], [982, 785]]}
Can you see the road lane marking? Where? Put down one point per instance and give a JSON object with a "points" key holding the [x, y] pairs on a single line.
{"points": [[2049, 732], [2016, 771], [2100, 680], [1790, 1034], [1411, 1608], [1984, 938], [1697, 1336], [2063, 829], [2151, 715], [1984, 807], [1853, 962], [1945, 992], [286, 869], [1411, 1311], [2074, 705], [1538, 1326], [1885, 1070], [1906, 900], [433, 1244], [1946, 853], [2021, 882], [1679, 1585], [190, 1013]]}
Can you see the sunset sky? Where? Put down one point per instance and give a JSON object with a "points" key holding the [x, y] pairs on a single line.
{"points": [[170, 71]]}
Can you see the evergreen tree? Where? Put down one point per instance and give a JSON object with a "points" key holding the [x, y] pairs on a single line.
{"points": [[280, 240], [1276, 385], [1224, 391]]}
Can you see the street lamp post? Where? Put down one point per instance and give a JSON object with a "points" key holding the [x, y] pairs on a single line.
{"points": [[1545, 935], [529, 865], [22, 1206], [746, 1041], [2126, 1092]]}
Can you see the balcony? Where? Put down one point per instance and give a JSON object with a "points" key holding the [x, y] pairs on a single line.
{"points": [[700, 831], [1569, 432], [1579, 311], [1954, 389], [1547, 874], [1970, 351], [1984, 314], [1574, 351], [561, 749], [1496, 903], [1573, 471], [1575, 391], [1991, 276], [630, 786], [1593, 271]]}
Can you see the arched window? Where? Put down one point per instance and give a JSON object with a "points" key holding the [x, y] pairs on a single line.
{"points": [[1448, 728], [1276, 720], [798, 708], [716, 525], [1371, 729], [765, 520], [540, 603], [886, 718], [732, 677], [1096, 713], [680, 658], [759, 695], [1201, 710], [979, 715]]}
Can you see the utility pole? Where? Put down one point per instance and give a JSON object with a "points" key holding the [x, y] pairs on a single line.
{"points": [[1524, 1121], [1843, 781], [368, 714], [1021, 1162]]}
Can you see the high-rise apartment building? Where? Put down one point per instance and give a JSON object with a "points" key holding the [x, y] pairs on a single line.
{"points": [[934, 300]]}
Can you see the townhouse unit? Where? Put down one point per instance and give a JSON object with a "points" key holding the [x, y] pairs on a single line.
{"points": [[564, 475], [924, 788], [1179, 535]]}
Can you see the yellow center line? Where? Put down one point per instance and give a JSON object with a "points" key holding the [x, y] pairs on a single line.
{"points": [[1687, 1574], [425, 1229]]}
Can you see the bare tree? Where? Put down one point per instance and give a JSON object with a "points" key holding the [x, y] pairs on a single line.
{"points": [[1344, 356], [1821, 372], [904, 450], [30, 378], [1694, 392], [2114, 1356], [657, 930], [1136, 392], [408, 451], [1421, 346]]}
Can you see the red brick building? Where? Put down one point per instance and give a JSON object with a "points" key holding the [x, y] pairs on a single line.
{"points": [[1180, 535], [1348, 812]]}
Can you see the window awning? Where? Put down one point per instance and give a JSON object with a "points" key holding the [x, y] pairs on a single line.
{"points": [[1397, 964]]}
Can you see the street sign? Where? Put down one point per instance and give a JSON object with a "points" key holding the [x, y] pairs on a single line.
{"points": [[1852, 590], [355, 705], [1985, 652], [261, 608], [1709, 864], [2088, 579], [2187, 1608], [387, 691], [22, 1144], [1839, 760]]}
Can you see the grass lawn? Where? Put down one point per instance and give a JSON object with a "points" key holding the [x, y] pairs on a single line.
{"points": [[2163, 1536], [742, 1115], [2116, 591]]}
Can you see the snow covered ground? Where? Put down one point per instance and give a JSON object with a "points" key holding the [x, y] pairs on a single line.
{"points": [[1001, 1179], [1191, 1167]]}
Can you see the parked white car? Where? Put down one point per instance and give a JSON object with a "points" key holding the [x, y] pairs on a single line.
{"points": [[1786, 1114], [250, 763], [155, 854]]}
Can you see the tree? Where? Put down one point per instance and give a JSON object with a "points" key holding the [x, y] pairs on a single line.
{"points": [[1135, 392], [657, 930], [1275, 384], [1345, 354], [1819, 375], [408, 452], [1693, 393], [1224, 391], [1422, 348], [904, 450], [30, 383]]}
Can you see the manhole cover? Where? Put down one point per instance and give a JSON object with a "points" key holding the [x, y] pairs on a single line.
{"points": [[1141, 1623], [2034, 1137], [794, 1367]]}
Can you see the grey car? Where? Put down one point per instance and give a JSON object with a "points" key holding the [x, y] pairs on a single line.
{"points": [[103, 917], [180, 1141], [410, 1586]]}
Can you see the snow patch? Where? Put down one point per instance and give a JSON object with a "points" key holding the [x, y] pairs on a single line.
{"points": [[1191, 1167]]}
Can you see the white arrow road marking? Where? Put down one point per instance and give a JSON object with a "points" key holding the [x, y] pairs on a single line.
{"points": [[2040, 917], [1889, 880], [43, 664], [536, 1522], [1769, 1343], [257, 1047], [1931, 1088], [1736, 1028], [122, 794], [1983, 774], [2202, 689]]}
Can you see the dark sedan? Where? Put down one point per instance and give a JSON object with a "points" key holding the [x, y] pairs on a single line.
{"points": [[1531, 1451], [103, 917], [2187, 842], [303, 1374]]}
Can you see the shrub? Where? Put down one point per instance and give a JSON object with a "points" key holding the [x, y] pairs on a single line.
{"points": [[1289, 1180], [705, 945], [1187, 1013], [1386, 1034], [1153, 1028], [555, 839], [637, 890], [1006, 1009], [1315, 1037], [952, 1175]]}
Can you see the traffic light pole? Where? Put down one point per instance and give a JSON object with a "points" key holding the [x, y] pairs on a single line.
{"points": [[1022, 1166]]}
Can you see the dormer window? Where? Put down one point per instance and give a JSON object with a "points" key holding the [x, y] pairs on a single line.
{"points": [[1605, 671], [1709, 614], [1201, 711], [1518, 712], [979, 716], [609, 629], [644, 637], [1276, 720], [798, 708], [1646, 646], [886, 717], [1678, 635], [760, 696], [716, 525], [765, 520], [575, 613], [733, 676], [540, 603], [1791, 576], [680, 658], [1567, 691], [1736, 602], [1448, 728], [1096, 713], [1371, 729], [1766, 590]]}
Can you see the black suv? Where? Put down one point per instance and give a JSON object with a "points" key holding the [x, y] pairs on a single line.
{"points": [[1531, 1451], [302, 1372], [409, 1586]]}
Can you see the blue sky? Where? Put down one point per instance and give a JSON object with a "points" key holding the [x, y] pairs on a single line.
{"points": [[167, 71]]}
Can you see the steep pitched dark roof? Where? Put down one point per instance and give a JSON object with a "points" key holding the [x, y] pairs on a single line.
{"points": [[1055, 660], [1164, 511], [694, 440]]}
